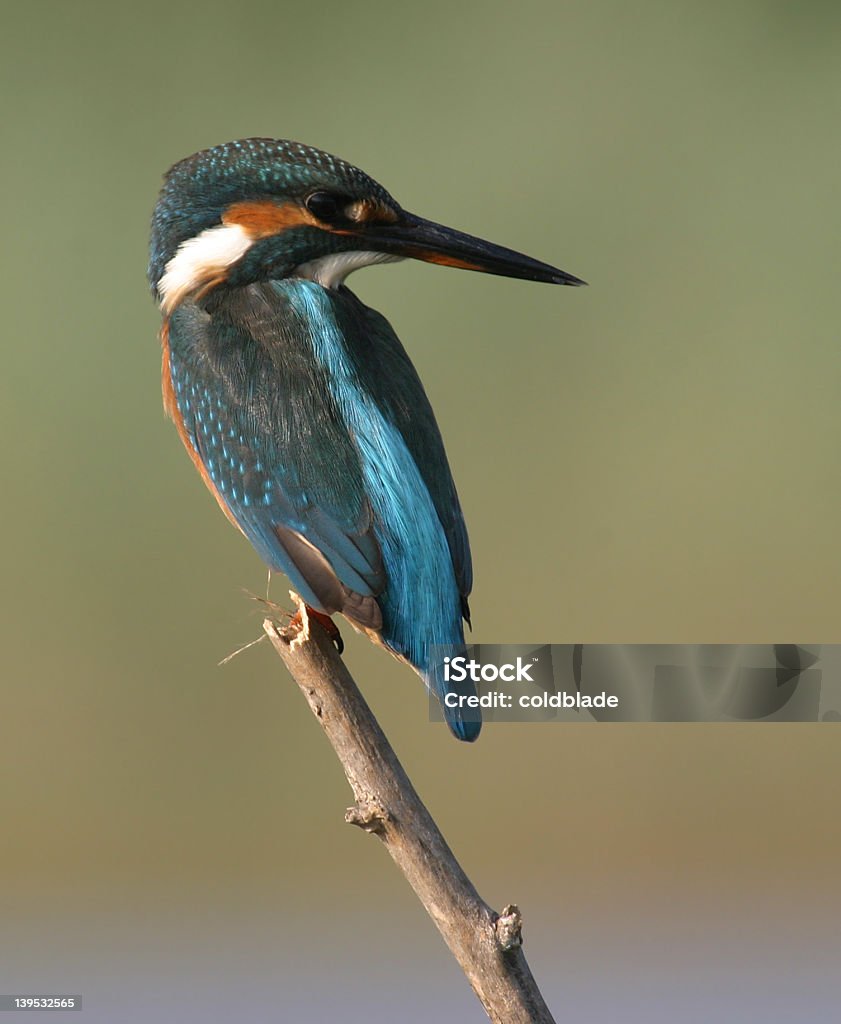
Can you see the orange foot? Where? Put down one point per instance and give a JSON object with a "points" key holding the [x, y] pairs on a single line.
{"points": [[326, 623]]}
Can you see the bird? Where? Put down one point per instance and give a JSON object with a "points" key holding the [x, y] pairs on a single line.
{"points": [[298, 404]]}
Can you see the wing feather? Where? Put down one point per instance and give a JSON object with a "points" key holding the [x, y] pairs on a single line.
{"points": [[260, 417]]}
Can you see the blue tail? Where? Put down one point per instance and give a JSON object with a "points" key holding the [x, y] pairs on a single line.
{"points": [[465, 722]]}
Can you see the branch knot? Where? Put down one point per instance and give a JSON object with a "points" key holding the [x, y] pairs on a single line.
{"points": [[369, 815], [508, 928]]}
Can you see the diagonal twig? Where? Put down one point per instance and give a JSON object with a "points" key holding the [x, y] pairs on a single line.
{"points": [[487, 945]]}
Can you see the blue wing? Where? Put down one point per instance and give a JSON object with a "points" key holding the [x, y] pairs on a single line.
{"points": [[264, 425]]}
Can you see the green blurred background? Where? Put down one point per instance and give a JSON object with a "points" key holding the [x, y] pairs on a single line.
{"points": [[654, 458]]}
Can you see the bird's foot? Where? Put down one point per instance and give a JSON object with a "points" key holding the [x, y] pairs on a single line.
{"points": [[326, 623]]}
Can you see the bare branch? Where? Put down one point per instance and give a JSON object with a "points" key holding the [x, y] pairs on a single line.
{"points": [[486, 945]]}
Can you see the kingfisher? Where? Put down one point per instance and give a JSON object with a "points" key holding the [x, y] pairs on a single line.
{"points": [[298, 404]]}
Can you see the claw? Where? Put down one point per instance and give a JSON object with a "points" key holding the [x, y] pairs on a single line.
{"points": [[326, 623]]}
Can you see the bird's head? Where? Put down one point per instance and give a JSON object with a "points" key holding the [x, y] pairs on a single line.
{"points": [[264, 208]]}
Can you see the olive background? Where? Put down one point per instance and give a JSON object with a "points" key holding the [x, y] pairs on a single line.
{"points": [[652, 459]]}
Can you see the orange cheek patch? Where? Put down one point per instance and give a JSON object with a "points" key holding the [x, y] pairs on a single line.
{"points": [[261, 219]]}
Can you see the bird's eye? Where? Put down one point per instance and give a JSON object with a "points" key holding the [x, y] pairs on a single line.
{"points": [[327, 207]]}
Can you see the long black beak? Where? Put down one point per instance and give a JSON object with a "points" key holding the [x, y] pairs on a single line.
{"points": [[425, 240]]}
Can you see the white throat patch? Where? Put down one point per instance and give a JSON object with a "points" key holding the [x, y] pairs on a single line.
{"points": [[331, 271], [202, 261]]}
